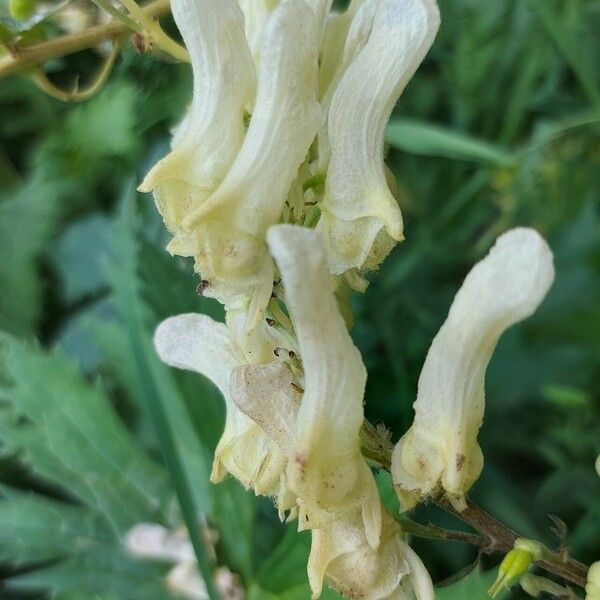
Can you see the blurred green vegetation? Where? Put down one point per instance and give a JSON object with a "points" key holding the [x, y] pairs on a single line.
{"points": [[500, 126]]}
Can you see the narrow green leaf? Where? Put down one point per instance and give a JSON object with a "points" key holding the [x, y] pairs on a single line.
{"points": [[34, 528], [166, 412], [567, 34], [432, 140], [105, 569]]}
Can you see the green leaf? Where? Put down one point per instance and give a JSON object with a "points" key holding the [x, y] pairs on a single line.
{"points": [[68, 433], [235, 517], [105, 569], [572, 26], [286, 567], [431, 140], [79, 256], [27, 221], [282, 576], [34, 528], [105, 126], [123, 273]]}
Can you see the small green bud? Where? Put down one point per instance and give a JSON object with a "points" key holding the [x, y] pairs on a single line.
{"points": [[516, 563], [22, 9]]}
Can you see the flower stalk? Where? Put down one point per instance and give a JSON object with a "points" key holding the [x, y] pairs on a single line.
{"points": [[21, 59], [496, 537]]}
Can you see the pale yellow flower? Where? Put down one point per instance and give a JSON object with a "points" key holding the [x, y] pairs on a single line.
{"points": [[197, 343], [385, 43], [341, 554], [220, 216], [440, 449], [315, 416], [210, 136], [326, 470]]}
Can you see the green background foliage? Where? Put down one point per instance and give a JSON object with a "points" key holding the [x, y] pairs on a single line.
{"points": [[500, 127]]}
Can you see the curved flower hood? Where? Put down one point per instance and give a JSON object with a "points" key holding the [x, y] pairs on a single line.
{"points": [[386, 42], [210, 136], [327, 471], [440, 448], [319, 432], [222, 187]]}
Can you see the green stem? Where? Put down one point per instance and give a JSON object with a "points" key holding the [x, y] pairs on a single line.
{"points": [[171, 457], [433, 532], [25, 58]]}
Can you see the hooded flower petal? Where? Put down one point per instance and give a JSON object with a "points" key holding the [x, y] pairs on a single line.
{"points": [[386, 42], [441, 446], [197, 343], [326, 471], [341, 554], [230, 227], [210, 136]]}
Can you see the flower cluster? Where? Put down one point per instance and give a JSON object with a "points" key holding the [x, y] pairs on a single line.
{"points": [[277, 187]]}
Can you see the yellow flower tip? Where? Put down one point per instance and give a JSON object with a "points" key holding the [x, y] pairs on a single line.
{"points": [[515, 564]]}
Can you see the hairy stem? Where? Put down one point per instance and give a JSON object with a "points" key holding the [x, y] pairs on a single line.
{"points": [[24, 58], [433, 532], [493, 537]]}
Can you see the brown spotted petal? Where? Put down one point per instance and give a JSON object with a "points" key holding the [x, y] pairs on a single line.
{"points": [[326, 469]]}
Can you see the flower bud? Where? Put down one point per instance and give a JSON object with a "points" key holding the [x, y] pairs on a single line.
{"points": [[515, 564]]}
